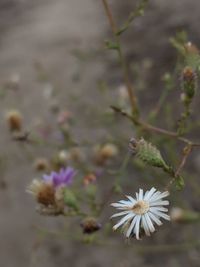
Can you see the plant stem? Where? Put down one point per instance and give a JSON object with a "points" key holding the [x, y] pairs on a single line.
{"points": [[130, 89], [186, 152], [148, 127]]}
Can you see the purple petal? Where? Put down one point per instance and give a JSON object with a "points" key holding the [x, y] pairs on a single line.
{"points": [[69, 174], [63, 177], [49, 177]]}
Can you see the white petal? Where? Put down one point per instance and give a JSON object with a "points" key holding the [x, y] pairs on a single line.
{"points": [[140, 197], [160, 214], [157, 193], [146, 194], [145, 226], [130, 229], [137, 227], [131, 199], [159, 208], [159, 196], [123, 220], [125, 202], [120, 205], [120, 214], [137, 196], [155, 218], [150, 193], [159, 203], [149, 222]]}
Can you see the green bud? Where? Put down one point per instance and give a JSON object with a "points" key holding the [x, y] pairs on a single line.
{"points": [[189, 82], [70, 199], [179, 181], [147, 153]]}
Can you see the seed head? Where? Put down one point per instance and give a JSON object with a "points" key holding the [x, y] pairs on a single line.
{"points": [[90, 225], [14, 120]]}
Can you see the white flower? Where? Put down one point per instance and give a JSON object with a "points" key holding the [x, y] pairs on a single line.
{"points": [[144, 211]]}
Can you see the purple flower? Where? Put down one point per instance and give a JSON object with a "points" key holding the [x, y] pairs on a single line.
{"points": [[62, 178]]}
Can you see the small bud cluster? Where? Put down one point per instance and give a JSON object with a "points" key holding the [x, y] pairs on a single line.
{"points": [[189, 83]]}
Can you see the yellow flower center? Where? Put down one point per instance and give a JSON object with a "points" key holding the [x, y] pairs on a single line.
{"points": [[140, 207]]}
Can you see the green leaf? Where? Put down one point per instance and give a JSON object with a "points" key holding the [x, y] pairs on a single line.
{"points": [[70, 199], [179, 181]]}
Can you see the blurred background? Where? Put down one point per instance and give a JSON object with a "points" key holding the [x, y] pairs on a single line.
{"points": [[53, 58]]}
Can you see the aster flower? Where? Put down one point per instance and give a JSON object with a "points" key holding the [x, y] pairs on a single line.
{"points": [[141, 212], [62, 178], [49, 191]]}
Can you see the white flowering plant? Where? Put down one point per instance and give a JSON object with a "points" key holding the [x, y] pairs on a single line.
{"points": [[138, 165]]}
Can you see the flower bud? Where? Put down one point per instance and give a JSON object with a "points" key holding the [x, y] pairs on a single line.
{"points": [[60, 159], [109, 151], [41, 164], [90, 225], [105, 152], [63, 157], [189, 82], [147, 153], [76, 154], [190, 48], [89, 179]]}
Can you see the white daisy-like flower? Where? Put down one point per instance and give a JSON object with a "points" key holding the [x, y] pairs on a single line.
{"points": [[141, 212]]}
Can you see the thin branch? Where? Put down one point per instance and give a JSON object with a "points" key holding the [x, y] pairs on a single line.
{"points": [[123, 63], [148, 127], [186, 152], [136, 13]]}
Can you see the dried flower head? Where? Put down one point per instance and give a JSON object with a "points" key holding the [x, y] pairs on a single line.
{"points": [[141, 212], [109, 151], [49, 192], [14, 120], [43, 192], [76, 154], [90, 225], [105, 152], [41, 164]]}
